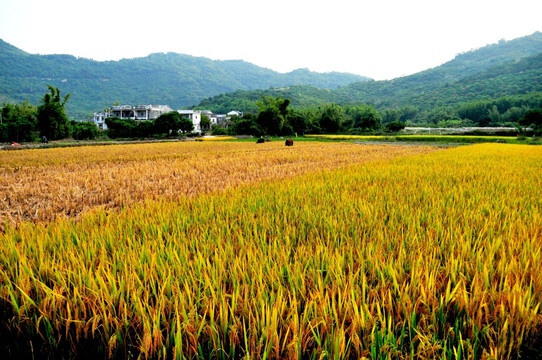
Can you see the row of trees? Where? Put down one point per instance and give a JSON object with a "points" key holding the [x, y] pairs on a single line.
{"points": [[503, 111], [276, 117], [26, 122]]}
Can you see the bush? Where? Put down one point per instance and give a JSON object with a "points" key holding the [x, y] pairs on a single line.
{"points": [[120, 128], [218, 130], [84, 130], [144, 129], [395, 126]]}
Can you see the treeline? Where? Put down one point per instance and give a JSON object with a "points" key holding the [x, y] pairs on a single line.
{"points": [[48, 121], [442, 91], [274, 117], [503, 111]]}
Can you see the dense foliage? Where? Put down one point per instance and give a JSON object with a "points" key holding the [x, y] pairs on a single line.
{"points": [[48, 121], [53, 122], [18, 122], [510, 71], [496, 85], [84, 130]]}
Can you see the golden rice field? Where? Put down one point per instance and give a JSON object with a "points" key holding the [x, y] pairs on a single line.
{"points": [[418, 138], [42, 184], [435, 255]]}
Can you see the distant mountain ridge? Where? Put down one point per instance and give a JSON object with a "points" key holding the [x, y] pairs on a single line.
{"points": [[505, 68], [177, 80]]}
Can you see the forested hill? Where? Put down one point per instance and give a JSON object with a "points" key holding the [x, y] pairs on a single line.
{"points": [[163, 78], [506, 68]]}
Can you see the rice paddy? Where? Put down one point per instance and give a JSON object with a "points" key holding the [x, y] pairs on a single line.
{"points": [[43, 184], [452, 139], [338, 252]]}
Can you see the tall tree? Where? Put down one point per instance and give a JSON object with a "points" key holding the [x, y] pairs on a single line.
{"points": [[366, 117], [533, 118], [167, 123], [185, 125], [18, 122], [298, 121], [331, 118], [205, 123], [273, 115], [52, 119]]}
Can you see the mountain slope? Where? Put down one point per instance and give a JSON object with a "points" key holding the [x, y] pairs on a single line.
{"points": [[173, 79], [507, 68]]}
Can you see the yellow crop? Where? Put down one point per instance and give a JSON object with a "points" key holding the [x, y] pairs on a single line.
{"points": [[215, 138], [44, 183], [425, 256], [428, 138]]}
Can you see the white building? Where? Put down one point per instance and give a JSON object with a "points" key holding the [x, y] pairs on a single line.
{"points": [[152, 112], [194, 116], [138, 113], [99, 120], [234, 113]]}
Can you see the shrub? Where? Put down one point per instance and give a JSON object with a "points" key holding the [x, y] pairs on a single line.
{"points": [[84, 130]]}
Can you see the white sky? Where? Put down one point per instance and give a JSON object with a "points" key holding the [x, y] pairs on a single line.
{"points": [[382, 39]]}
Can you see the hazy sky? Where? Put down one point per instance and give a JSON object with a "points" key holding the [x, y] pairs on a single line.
{"points": [[382, 39]]}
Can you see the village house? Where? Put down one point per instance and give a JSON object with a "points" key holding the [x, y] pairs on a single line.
{"points": [[138, 113], [152, 112], [194, 116]]}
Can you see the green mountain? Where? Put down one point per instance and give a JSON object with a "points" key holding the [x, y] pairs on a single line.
{"points": [[173, 79], [506, 68]]}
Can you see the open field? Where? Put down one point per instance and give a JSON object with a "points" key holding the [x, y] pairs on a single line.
{"points": [[390, 254], [445, 139], [41, 184]]}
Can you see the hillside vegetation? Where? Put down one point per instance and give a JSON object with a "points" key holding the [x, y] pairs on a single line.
{"points": [[503, 69], [174, 79]]}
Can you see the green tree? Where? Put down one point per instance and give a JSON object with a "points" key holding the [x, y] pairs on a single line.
{"points": [[52, 119], [408, 112], [273, 114], [245, 126], [390, 115], [120, 128], [395, 126], [185, 125], [167, 123], [494, 115], [205, 123], [144, 129], [366, 117], [513, 114], [298, 121], [218, 130], [532, 118], [331, 118], [18, 122], [84, 130]]}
